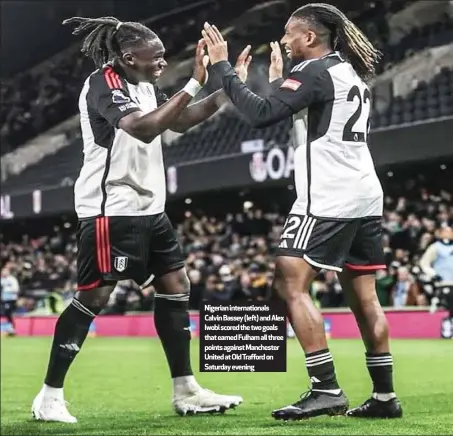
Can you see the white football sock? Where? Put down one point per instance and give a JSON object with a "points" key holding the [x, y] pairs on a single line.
{"points": [[384, 397], [184, 384], [49, 391]]}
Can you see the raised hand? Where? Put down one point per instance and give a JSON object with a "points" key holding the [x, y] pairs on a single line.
{"points": [[242, 63], [276, 66], [217, 46], [200, 74]]}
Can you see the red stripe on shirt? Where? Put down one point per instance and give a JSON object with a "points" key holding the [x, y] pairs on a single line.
{"points": [[108, 79], [114, 78]]}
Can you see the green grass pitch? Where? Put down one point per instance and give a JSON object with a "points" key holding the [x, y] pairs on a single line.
{"points": [[122, 387]]}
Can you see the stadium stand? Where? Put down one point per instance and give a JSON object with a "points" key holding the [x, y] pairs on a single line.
{"points": [[27, 111], [36, 100], [427, 101], [431, 35], [65, 164], [40, 98]]}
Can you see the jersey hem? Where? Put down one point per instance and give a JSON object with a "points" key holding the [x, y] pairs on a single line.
{"points": [[119, 215], [328, 218], [348, 218]]}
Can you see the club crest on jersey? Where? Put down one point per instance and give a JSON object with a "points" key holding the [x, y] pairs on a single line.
{"points": [[120, 263], [292, 84], [118, 97]]}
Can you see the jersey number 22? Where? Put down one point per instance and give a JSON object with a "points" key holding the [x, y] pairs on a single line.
{"points": [[360, 135]]}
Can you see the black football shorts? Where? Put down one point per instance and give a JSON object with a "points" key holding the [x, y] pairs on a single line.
{"points": [[332, 245], [126, 247]]}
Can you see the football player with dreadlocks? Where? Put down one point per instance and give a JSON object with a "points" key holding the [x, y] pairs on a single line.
{"points": [[335, 222], [123, 231]]}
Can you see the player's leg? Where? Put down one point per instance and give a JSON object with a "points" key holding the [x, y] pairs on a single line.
{"points": [[306, 246], [171, 315], [71, 330], [171, 319], [358, 281], [72, 326], [10, 307]]}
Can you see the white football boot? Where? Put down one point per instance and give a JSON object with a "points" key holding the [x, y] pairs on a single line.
{"points": [[189, 398], [52, 408]]}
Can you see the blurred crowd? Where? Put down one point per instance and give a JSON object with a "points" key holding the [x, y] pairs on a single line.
{"points": [[233, 257], [36, 100]]}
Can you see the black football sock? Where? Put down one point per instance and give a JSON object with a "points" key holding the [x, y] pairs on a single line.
{"points": [[171, 318], [71, 331], [321, 370], [380, 367]]}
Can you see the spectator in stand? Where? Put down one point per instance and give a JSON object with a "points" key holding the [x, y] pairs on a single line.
{"points": [[385, 280], [260, 286], [213, 289], [406, 291], [329, 293]]}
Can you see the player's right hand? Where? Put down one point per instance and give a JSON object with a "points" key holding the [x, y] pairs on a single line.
{"points": [[276, 67], [200, 73]]}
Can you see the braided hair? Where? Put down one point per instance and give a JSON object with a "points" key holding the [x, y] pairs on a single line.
{"points": [[109, 37], [344, 35]]}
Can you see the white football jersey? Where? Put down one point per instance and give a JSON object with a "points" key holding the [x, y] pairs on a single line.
{"points": [[334, 172], [121, 175]]}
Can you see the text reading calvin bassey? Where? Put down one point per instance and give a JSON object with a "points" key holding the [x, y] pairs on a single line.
{"points": [[243, 337]]}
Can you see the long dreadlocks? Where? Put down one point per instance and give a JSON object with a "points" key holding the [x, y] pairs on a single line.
{"points": [[109, 37], [345, 36]]}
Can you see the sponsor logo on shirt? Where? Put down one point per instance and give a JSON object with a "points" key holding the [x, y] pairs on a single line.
{"points": [[292, 84], [127, 106], [118, 97]]}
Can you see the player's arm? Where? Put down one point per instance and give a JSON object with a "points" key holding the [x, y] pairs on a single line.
{"points": [[302, 88], [198, 112], [195, 113], [110, 97], [120, 110], [288, 97], [146, 127]]}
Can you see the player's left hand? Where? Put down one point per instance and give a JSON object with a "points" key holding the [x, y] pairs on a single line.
{"points": [[217, 46]]}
